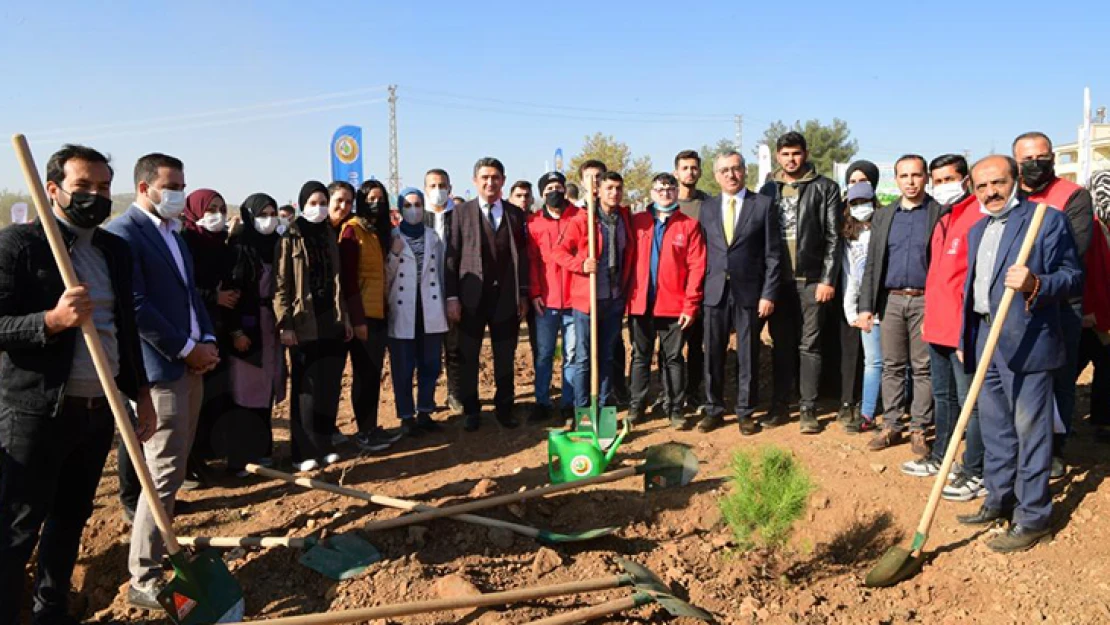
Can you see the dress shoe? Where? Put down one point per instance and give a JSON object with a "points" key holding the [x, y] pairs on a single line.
{"points": [[749, 426], [679, 422], [1059, 468], [146, 599], [1018, 538], [425, 422], [807, 421], [846, 414], [884, 439], [918, 446], [539, 414], [984, 516], [471, 422], [778, 415], [506, 419], [709, 423]]}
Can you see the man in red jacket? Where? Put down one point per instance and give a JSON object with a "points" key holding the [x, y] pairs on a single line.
{"points": [[550, 295], [665, 295]]}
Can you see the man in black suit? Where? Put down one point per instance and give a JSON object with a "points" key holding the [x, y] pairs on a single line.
{"points": [[743, 239], [487, 286]]}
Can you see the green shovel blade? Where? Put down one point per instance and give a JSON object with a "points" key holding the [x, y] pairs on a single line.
{"points": [[668, 465], [554, 538], [341, 556], [202, 591]]}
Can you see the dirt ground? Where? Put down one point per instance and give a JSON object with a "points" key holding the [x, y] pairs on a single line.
{"points": [[862, 506]]}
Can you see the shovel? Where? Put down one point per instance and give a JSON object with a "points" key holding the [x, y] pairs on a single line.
{"points": [[899, 563], [635, 576], [667, 465], [202, 589], [541, 536], [338, 557]]}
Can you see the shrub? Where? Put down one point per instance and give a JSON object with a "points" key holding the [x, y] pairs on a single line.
{"points": [[767, 496]]}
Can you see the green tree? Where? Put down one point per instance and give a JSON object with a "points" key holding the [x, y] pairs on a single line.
{"points": [[828, 144], [617, 156]]}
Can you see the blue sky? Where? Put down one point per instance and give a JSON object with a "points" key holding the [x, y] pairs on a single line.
{"points": [[246, 92]]}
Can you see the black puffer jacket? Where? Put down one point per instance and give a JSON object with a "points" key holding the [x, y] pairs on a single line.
{"points": [[816, 231]]}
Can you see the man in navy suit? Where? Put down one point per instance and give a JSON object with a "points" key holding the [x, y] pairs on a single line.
{"points": [[1016, 402], [743, 246], [178, 348]]}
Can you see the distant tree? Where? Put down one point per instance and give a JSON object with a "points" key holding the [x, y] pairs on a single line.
{"points": [[617, 156], [709, 154], [828, 144]]}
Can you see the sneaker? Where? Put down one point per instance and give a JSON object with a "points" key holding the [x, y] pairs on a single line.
{"points": [[859, 424], [918, 446], [410, 429], [807, 421], [425, 422], [921, 467], [368, 442], [382, 434], [331, 458], [964, 488], [308, 465], [846, 415], [339, 438]]}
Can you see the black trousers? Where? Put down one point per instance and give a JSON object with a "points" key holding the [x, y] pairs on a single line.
{"points": [[367, 362], [720, 321], [796, 327], [317, 382], [451, 360], [503, 339], [851, 362], [619, 380], [695, 362], [49, 470], [645, 330]]}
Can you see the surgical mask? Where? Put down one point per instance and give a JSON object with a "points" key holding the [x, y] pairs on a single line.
{"points": [[437, 197], [413, 214], [213, 222], [172, 204], [949, 192], [265, 225], [862, 212], [1038, 172], [315, 213], [666, 209], [87, 210], [1011, 202]]}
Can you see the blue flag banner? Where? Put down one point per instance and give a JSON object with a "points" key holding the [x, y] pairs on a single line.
{"points": [[346, 155], [559, 160]]}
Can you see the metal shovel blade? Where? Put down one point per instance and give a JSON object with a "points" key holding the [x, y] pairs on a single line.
{"points": [[555, 538], [642, 577], [678, 607], [669, 465], [648, 584], [202, 591], [341, 556], [896, 565]]}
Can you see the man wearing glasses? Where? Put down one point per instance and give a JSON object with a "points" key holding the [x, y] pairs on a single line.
{"points": [[665, 295]]}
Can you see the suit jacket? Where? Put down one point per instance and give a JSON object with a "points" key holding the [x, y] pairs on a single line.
{"points": [[464, 269], [1031, 340], [162, 296], [872, 294], [750, 266]]}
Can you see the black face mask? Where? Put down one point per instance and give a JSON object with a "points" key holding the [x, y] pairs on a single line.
{"points": [[1038, 172], [374, 207], [87, 210], [554, 199]]}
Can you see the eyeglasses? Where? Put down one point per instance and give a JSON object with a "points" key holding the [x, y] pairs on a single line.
{"points": [[735, 169]]}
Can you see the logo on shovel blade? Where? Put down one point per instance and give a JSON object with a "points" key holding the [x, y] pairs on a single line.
{"points": [[182, 605], [581, 466]]}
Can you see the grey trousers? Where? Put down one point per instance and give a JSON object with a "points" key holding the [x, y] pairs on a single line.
{"points": [[903, 347], [178, 407]]}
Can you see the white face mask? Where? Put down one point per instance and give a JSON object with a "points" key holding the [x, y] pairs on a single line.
{"points": [[315, 213], [948, 192], [172, 204], [413, 214], [437, 197], [265, 225], [862, 212], [213, 222]]}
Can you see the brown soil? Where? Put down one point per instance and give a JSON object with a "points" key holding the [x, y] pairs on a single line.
{"points": [[862, 506]]}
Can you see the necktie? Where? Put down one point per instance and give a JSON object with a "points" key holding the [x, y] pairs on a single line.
{"points": [[490, 218], [730, 220]]}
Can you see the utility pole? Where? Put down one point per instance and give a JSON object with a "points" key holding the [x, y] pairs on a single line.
{"points": [[394, 176], [740, 133]]}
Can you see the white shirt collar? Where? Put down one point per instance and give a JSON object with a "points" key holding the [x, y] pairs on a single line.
{"points": [[167, 225], [739, 197]]}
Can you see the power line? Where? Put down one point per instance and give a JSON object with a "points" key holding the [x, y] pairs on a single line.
{"points": [[547, 114]]}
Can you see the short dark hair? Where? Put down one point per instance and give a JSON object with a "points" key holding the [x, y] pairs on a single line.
{"points": [[592, 163], [287, 208], [437, 172], [489, 161], [910, 157], [612, 176], [55, 167], [458, 199], [1034, 134], [792, 139], [146, 168], [687, 155], [665, 178], [521, 184], [341, 184], [572, 191], [948, 160]]}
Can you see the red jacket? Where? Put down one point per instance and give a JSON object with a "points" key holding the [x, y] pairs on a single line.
{"points": [[574, 250], [944, 283], [680, 281], [550, 280]]}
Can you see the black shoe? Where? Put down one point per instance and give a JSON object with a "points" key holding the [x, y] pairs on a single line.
{"points": [[777, 416], [1059, 468], [192, 482], [679, 422], [985, 516], [846, 415], [539, 414], [425, 422], [709, 423], [749, 426], [506, 419], [807, 421], [146, 599], [369, 442], [410, 429], [471, 422], [180, 506], [635, 415], [1017, 538]]}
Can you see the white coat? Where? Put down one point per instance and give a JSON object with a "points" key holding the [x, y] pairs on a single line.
{"points": [[402, 285]]}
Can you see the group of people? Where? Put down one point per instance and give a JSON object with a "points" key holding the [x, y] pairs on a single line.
{"points": [[205, 317]]}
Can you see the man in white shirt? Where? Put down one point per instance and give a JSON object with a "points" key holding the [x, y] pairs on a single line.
{"points": [[437, 216]]}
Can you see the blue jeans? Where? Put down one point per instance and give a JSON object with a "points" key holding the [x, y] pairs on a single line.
{"points": [[950, 385], [872, 371], [610, 318], [420, 355], [548, 327]]}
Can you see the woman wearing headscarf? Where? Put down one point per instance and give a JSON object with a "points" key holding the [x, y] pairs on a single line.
{"points": [[311, 316], [417, 315], [1094, 344], [256, 358], [363, 241], [204, 229]]}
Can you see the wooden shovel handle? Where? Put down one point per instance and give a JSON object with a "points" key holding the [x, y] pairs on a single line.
{"points": [[588, 614], [230, 542], [500, 500], [976, 386], [92, 340], [591, 241], [438, 605]]}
